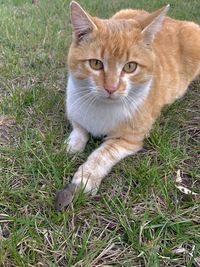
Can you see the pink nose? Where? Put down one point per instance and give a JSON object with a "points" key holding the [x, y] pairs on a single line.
{"points": [[110, 88]]}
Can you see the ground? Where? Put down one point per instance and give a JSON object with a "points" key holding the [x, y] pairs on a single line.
{"points": [[140, 217]]}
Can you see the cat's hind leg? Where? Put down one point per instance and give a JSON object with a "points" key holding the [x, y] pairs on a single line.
{"points": [[190, 45], [77, 139]]}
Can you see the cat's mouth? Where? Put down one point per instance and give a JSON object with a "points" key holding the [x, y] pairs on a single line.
{"points": [[110, 99], [105, 97]]}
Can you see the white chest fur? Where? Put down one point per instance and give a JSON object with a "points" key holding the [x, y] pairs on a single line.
{"points": [[97, 117]]}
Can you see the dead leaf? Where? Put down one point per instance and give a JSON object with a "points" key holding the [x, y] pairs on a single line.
{"points": [[179, 250], [178, 177], [185, 190]]}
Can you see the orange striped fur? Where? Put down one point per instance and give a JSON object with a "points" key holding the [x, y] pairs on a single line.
{"points": [[119, 105]]}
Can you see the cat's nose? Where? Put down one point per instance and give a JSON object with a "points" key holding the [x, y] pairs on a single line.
{"points": [[110, 88]]}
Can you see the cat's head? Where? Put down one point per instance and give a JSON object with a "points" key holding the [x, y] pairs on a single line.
{"points": [[113, 57]]}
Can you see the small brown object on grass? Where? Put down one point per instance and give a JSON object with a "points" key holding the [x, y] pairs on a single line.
{"points": [[65, 196], [35, 2]]}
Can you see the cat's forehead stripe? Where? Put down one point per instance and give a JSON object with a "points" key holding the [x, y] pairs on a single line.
{"points": [[113, 65], [105, 63], [117, 46]]}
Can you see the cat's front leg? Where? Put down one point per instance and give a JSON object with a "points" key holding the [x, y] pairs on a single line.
{"points": [[100, 162], [77, 139]]}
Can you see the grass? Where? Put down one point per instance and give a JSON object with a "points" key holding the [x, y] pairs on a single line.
{"points": [[139, 217]]}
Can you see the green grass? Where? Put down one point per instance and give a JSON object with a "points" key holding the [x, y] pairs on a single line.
{"points": [[139, 217]]}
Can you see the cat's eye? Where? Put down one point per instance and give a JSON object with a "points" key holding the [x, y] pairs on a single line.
{"points": [[96, 64], [130, 67]]}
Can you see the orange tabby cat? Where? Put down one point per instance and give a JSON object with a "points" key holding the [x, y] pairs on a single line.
{"points": [[122, 71]]}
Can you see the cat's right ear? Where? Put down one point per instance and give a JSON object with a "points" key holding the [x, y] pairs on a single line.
{"points": [[152, 24], [82, 23]]}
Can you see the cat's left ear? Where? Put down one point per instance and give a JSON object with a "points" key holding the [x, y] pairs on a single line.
{"points": [[152, 24], [82, 23]]}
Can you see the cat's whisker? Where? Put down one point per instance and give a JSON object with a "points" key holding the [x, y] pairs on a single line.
{"points": [[129, 110], [92, 101], [83, 103], [139, 111], [124, 104], [86, 87], [80, 101], [80, 93], [133, 105], [83, 89]]}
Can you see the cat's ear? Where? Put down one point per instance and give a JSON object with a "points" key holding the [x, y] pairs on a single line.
{"points": [[82, 23], [152, 24]]}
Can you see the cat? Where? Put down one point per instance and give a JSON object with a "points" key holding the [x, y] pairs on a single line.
{"points": [[122, 72]]}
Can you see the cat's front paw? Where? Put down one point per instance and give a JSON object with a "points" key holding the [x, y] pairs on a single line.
{"points": [[76, 142], [86, 180]]}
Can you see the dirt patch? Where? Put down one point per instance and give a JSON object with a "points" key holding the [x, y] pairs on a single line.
{"points": [[3, 91], [8, 130]]}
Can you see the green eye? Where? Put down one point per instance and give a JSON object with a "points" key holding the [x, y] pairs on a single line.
{"points": [[96, 64], [130, 67]]}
